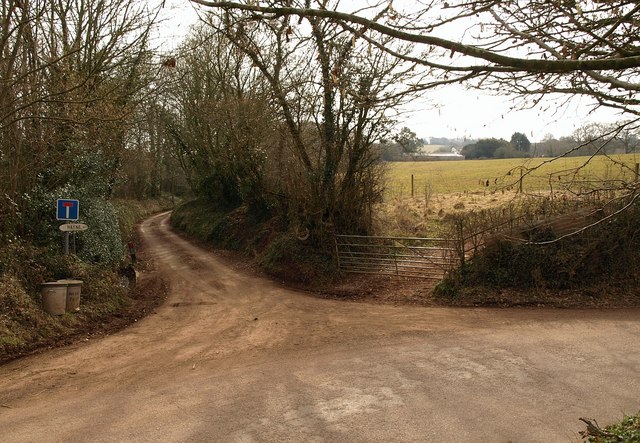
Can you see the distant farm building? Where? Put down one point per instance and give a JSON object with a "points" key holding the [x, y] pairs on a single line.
{"points": [[426, 154]]}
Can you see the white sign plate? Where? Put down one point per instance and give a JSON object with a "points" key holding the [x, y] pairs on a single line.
{"points": [[72, 227]]}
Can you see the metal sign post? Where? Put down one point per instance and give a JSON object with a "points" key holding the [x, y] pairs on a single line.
{"points": [[68, 210], [69, 228]]}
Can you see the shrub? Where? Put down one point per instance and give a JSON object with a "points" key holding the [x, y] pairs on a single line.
{"points": [[626, 431], [288, 258], [505, 264], [446, 289], [609, 251], [101, 243]]}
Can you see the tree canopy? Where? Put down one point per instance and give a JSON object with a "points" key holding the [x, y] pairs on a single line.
{"points": [[520, 142], [535, 50], [408, 140], [79, 117], [484, 148], [320, 99], [528, 48]]}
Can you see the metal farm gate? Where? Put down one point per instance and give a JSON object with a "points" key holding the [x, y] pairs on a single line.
{"points": [[427, 258]]}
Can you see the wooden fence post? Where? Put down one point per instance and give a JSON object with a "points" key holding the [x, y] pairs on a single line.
{"points": [[520, 185]]}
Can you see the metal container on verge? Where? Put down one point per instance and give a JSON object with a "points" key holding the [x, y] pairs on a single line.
{"points": [[54, 297], [74, 288]]}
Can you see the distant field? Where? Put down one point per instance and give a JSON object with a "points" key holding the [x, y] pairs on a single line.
{"points": [[472, 175]]}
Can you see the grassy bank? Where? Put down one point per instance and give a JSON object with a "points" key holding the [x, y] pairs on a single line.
{"points": [[24, 326], [130, 212], [267, 243]]}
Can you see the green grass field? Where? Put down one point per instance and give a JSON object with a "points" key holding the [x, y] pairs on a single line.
{"points": [[444, 177]]}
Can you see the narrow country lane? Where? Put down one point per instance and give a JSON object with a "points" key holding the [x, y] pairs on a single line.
{"points": [[235, 358]]}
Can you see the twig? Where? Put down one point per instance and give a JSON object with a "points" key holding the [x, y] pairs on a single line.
{"points": [[594, 430]]}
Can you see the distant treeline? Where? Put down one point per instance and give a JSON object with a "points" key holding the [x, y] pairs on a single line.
{"points": [[590, 139]]}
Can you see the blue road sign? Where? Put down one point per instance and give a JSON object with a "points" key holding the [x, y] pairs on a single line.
{"points": [[67, 209]]}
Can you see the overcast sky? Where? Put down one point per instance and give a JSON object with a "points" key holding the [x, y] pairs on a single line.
{"points": [[453, 111], [456, 112]]}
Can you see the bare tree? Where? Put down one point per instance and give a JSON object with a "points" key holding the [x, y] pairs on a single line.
{"points": [[533, 49], [222, 123], [512, 25], [559, 49], [333, 91], [629, 137], [71, 74]]}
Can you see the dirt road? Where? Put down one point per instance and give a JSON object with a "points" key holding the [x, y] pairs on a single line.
{"points": [[235, 358]]}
